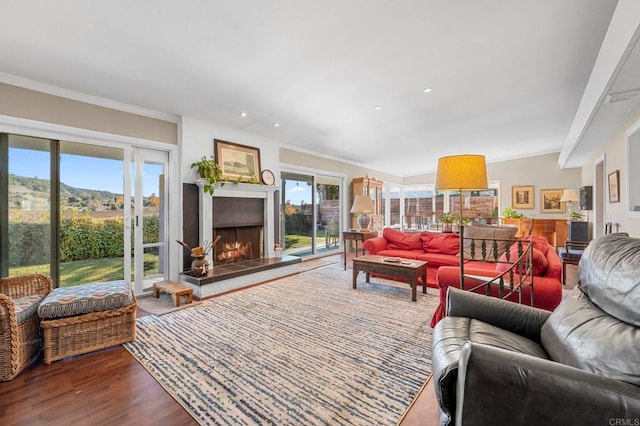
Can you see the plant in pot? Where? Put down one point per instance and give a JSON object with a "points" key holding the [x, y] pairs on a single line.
{"points": [[210, 171], [510, 213], [447, 219], [574, 216]]}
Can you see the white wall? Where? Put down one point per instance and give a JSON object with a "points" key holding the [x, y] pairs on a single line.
{"points": [[197, 140], [614, 151]]}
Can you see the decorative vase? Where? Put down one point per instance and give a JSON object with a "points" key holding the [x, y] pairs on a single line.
{"points": [[199, 265]]}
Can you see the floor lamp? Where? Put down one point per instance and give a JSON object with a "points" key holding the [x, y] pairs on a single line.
{"points": [[461, 173]]}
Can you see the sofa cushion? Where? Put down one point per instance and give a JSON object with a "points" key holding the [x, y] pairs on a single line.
{"points": [[580, 334], [478, 234], [83, 299], [609, 276], [540, 262], [444, 243], [425, 237], [402, 240], [439, 259], [405, 254], [26, 307]]}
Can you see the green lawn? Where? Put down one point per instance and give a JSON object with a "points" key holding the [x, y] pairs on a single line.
{"points": [[88, 271]]}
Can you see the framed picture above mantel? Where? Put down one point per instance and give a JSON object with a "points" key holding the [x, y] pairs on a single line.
{"points": [[239, 163]]}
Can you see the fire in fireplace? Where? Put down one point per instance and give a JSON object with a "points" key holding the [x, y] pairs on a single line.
{"points": [[240, 223], [233, 252], [238, 243]]}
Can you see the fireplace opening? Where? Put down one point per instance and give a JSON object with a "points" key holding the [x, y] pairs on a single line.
{"points": [[238, 243], [240, 223]]}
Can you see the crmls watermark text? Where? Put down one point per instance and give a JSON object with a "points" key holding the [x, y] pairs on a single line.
{"points": [[625, 422]]}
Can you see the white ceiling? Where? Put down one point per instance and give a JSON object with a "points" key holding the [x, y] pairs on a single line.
{"points": [[507, 75]]}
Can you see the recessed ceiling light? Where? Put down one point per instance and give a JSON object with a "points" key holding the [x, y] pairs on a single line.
{"points": [[276, 124], [243, 114], [377, 107], [427, 90]]}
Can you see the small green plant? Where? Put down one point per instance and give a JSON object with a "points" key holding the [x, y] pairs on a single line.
{"points": [[447, 218], [211, 171], [511, 213], [575, 215]]}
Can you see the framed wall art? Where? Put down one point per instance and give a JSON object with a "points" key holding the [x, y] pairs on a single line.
{"points": [[614, 187], [550, 201], [522, 197], [239, 163]]}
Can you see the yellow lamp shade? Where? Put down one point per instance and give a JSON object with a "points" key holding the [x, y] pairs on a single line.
{"points": [[462, 172]]}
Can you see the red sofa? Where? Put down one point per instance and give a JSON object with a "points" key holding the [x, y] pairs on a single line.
{"points": [[441, 251], [438, 249]]}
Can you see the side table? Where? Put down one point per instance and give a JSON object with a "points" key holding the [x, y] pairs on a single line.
{"points": [[355, 236]]}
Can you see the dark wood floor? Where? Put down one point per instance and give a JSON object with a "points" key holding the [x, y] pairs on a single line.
{"points": [[111, 387]]}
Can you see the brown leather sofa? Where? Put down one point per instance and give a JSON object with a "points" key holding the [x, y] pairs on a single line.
{"points": [[496, 362]]}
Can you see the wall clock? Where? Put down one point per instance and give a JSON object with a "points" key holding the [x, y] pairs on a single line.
{"points": [[267, 177]]}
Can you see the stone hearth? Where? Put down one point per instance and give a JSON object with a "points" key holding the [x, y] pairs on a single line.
{"points": [[231, 276]]}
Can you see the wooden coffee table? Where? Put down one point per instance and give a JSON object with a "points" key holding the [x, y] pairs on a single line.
{"points": [[404, 268]]}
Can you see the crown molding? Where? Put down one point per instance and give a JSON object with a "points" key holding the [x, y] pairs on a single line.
{"points": [[82, 97]]}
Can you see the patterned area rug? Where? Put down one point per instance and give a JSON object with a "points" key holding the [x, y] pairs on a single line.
{"points": [[306, 349]]}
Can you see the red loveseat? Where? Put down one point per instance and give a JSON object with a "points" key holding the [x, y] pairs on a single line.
{"points": [[547, 284], [441, 251]]}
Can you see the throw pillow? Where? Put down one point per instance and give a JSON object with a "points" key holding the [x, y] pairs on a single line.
{"points": [[444, 244], [425, 237], [397, 240], [539, 243], [540, 262]]}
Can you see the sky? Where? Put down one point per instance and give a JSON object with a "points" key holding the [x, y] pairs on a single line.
{"points": [[297, 192], [79, 171]]}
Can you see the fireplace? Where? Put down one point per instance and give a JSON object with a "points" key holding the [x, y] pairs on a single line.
{"points": [[245, 216], [239, 222], [243, 213]]}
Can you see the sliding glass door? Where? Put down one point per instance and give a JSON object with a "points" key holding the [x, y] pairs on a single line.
{"points": [[92, 207], [312, 212], [81, 212]]}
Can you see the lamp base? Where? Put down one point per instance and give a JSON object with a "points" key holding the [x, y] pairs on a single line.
{"points": [[363, 222]]}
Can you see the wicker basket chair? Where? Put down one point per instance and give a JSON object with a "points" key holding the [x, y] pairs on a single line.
{"points": [[20, 333]]}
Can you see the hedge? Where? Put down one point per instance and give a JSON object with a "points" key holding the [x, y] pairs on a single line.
{"points": [[80, 239]]}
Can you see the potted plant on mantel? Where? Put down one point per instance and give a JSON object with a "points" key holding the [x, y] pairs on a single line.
{"points": [[210, 171]]}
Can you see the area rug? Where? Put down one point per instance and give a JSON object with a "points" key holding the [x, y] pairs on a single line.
{"points": [[161, 305], [306, 349]]}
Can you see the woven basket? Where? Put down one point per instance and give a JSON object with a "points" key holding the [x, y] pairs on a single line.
{"points": [[90, 332]]}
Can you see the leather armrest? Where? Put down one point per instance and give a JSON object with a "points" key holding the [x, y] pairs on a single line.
{"points": [[496, 386], [374, 245], [520, 319]]}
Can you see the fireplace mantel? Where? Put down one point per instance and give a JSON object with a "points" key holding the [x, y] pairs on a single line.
{"points": [[238, 190]]}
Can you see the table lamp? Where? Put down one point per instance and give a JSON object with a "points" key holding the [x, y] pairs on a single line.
{"points": [[363, 205], [569, 196]]}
